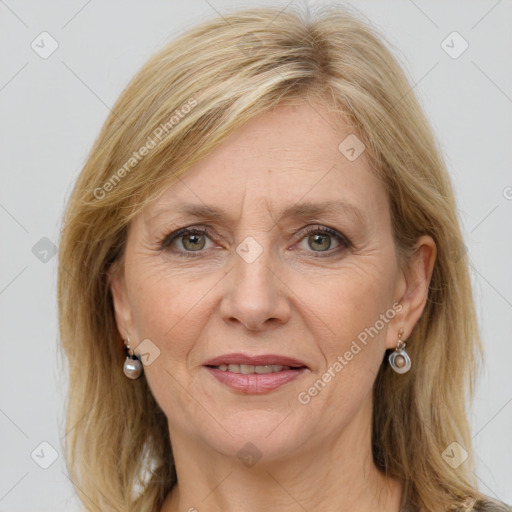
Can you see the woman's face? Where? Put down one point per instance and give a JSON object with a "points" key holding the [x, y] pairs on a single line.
{"points": [[295, 267]]}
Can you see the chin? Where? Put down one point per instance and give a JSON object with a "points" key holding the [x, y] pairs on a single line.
{"points": [[255, 434]]}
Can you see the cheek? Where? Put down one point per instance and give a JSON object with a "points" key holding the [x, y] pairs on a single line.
{"points": [[353, 302], [164, 299], [351, 338], [170, 310]]}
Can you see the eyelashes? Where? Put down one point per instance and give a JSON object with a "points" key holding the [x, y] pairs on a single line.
{"points": [[313, 235], [180, 234], [196, 239]]}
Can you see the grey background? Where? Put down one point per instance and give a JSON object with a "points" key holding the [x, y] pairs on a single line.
{"points": [[52, 109]]}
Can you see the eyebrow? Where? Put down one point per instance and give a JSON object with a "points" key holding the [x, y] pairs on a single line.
{"points": [[300, 211]]}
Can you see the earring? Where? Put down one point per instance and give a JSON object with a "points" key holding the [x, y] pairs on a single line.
{"points": [[132, 365], [399, 360]]}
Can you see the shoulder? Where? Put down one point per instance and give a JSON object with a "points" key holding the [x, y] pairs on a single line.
{"points": [[491, 505], [484, 505]]}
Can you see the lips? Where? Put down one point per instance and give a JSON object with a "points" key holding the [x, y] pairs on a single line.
{"points": [[255, 374], [256, 360], [249, 369]]}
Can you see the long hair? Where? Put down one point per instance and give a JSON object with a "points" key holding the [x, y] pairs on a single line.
{"points": [[186, 100]]}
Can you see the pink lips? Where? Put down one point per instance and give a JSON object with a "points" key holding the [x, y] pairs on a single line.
{"points": [[254, 360], [255, 383]]}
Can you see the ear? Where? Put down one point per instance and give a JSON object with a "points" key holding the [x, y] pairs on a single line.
{"points": [[411, 291], [122, 309]]}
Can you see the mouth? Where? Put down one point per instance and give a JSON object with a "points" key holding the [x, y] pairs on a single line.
{"points": [[249, 369], [265, 363], [255, 374]]}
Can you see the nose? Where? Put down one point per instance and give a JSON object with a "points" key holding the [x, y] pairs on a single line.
{"points": [[256, 295]]}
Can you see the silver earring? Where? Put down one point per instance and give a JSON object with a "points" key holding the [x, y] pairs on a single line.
{"points": [[132, 365], [399, 360]]}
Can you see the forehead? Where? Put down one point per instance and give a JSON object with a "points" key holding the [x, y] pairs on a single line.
{"points": [[286, 156]]}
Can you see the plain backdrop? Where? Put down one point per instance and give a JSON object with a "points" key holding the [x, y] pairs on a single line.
{"points": [[51, 110]]}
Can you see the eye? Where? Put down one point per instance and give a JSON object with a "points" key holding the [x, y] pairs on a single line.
{"points": [[320, 239], [193, 241], [186, 240]]}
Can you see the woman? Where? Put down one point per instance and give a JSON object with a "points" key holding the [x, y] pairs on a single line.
{"points": [[260, 293]]}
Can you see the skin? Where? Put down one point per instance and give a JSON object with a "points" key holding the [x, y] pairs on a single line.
{"points": [[289, 301]]}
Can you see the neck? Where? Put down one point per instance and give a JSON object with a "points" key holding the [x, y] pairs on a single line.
{"points": [[336, 474]]}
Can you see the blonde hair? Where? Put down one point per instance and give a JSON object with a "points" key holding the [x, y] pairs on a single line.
{"points": [[184, 102]]}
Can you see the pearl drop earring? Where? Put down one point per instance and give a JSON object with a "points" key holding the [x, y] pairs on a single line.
{"points": [[132, 364]]}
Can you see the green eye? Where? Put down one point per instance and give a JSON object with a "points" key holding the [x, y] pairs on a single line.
{"points": [[193, 241], [320, 239], [190, 240], [319, 242]]}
